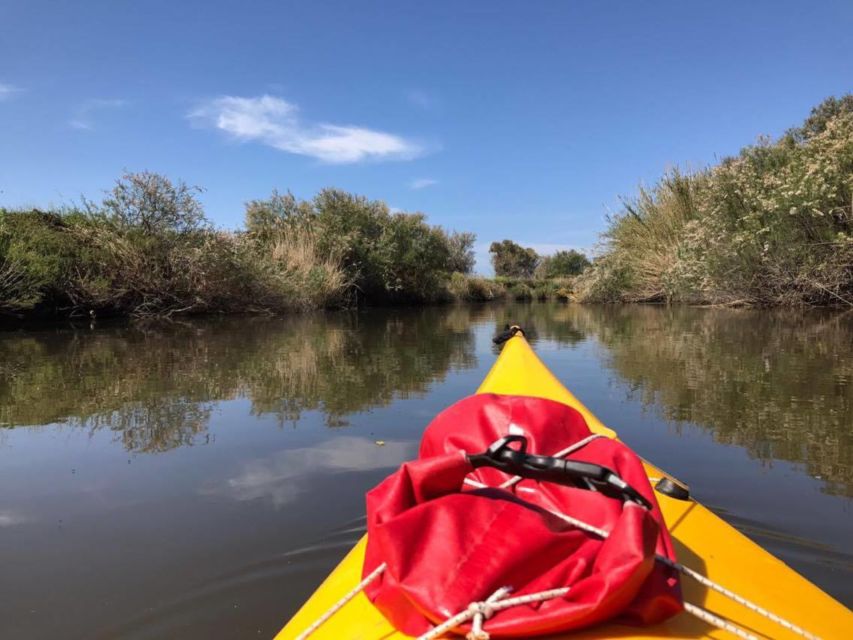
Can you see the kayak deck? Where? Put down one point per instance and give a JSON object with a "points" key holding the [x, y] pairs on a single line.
{"points": [[703, 542]]}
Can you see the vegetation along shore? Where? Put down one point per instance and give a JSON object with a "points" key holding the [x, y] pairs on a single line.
{"points": [[770, 226]]}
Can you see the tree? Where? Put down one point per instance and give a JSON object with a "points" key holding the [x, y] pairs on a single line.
{"points": [[512, 260], [461, 251], [154, 204], [563, 263], [411, 257]]}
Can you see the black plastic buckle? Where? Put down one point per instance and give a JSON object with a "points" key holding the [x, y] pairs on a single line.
{"points": [[586, 475]]}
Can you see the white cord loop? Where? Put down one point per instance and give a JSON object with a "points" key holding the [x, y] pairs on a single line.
{"points": [[476, 612]]}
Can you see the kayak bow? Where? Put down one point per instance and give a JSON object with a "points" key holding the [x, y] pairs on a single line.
{"points": [[703, 542]]}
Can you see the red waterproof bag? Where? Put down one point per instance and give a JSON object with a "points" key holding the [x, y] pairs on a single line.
{"points": [[449, 536]]}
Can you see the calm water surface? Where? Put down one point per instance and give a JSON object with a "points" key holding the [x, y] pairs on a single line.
{"points": [[199, 480]]}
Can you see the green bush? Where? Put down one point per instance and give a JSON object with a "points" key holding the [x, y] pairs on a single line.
{"points": [[463, 287], [388, 257], [773, 225], [562, 264], [554, 289], [521, 291], [38, 257]]}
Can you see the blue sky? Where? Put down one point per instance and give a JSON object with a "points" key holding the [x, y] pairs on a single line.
{"points": [[510, 119]]}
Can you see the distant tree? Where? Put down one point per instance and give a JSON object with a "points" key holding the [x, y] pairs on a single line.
{"points": [[512, 260], [563, 263], [153, 204], [461, 251]]}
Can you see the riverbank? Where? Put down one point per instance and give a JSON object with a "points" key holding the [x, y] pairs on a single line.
{"points": [[770, 226], [148, 250]]}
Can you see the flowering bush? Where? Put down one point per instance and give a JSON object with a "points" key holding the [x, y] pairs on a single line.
{"points": [[773, 225]]}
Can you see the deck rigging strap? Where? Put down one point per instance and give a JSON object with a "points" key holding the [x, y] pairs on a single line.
{"points": [[478, 612]]}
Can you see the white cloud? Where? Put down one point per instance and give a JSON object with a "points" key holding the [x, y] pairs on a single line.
{"points": [[422, 183], [8, 90], [275, 122], [83, 117]]}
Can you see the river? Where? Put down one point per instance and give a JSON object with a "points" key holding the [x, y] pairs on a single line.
{"points": [[198, 479]]}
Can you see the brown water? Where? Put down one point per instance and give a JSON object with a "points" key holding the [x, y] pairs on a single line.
{"points": [[199, 479]]}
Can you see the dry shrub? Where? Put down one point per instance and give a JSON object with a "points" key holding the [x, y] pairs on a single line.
{"points": [[300, 275]]}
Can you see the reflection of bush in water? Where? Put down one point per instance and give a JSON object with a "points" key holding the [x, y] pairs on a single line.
{"points": [[154, 387], [778, 383]]}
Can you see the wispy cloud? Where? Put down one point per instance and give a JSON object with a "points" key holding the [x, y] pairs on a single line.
{"points": [[8, 90], [422, 183], [84, 115], [276, 123]]}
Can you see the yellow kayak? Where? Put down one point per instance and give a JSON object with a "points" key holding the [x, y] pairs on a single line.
{"points": [[703, 542]]}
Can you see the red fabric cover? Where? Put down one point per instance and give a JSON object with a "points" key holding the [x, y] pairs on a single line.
{"points": [[447, 544]]}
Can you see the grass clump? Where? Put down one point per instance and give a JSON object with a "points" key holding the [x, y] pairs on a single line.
{"points": [[558, 288]]}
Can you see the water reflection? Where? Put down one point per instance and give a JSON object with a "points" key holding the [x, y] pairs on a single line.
{"points": [[288, 474], [779, 383], [155, 386]]}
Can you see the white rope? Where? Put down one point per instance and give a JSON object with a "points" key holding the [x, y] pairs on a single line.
{"points": [[474, 483], [716, 621], [687, 571], [340, 603], [478, 611]]}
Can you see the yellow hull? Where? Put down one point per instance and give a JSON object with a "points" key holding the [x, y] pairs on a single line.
{"points": [[703, 542]]}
